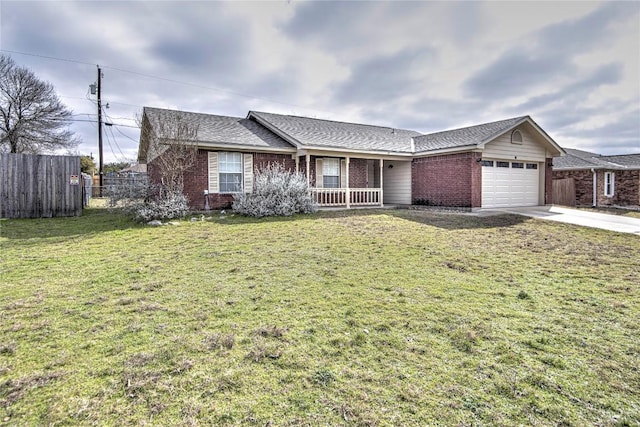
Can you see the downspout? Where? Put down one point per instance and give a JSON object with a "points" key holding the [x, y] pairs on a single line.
{"points": [[595, 187]]}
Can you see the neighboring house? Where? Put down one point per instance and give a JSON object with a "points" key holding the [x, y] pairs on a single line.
{"points": [[600, 180], [498, 164], [134, 169]]}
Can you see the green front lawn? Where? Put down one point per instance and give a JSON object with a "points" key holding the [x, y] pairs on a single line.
{"points": [[341, 318]]}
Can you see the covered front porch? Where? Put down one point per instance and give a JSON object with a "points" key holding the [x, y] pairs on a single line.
{"points": [[347, 197], [337, 180]]}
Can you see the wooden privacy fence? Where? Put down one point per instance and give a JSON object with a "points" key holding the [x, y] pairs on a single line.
{"points": [[564, 192], [36, 186]]}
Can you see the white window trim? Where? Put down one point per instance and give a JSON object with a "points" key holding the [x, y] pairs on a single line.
{"points": [[220, 172], [325, 162], [612, 181]]}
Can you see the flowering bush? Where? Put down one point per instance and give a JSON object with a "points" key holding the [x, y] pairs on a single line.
{"points": [[276, 192]]}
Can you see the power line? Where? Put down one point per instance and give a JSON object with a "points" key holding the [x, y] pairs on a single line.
{"points": [[47, 57], [169, 80], [124, 134], [115, 141]]}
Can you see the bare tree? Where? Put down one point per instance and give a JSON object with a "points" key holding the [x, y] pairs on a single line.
{"points": [[32, 117], [172, 147]]}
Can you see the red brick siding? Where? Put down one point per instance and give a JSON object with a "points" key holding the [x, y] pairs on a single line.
{"points": [[358, 173], [583, 181], [626, 187], [262, 160], [548, 181], [450, 180], [196, 180]]}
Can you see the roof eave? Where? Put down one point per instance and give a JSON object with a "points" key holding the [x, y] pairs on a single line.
{"points": [[426, 153], [357, 151], [245, 147]]}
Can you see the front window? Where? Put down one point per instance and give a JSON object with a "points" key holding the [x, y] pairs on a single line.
{"points": [[331, 173], [609, 183], [230, 170]]}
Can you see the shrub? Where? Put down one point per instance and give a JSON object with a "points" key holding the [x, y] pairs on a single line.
{"points": [[276, 192], [146, 202], [168, 205]]}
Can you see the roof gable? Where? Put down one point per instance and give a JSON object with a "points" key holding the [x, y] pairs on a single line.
{"points": [[305, 132], [465, 137], [220, 130], [479, 135]]}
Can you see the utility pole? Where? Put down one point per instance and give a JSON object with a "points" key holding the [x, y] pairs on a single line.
{"points": [[101, 162]]}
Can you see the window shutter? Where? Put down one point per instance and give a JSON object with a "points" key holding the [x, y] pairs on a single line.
{"points": [[318, 173], [248, 173], [214, 178], [343, 173]]}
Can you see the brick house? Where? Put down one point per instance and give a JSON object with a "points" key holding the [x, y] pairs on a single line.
{"points": [[498, 164], [600, 180]]}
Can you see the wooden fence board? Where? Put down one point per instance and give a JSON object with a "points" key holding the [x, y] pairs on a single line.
{"points": [[37, 186], [564, 192]]}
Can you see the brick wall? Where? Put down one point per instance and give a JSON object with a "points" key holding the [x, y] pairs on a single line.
{"points": [[451, 180], [548, 181], [196, 180], [583, 181], [358, 173], [626, 187], [262, 160]]}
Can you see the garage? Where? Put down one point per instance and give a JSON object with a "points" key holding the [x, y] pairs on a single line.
{"points": [[508, 183]]}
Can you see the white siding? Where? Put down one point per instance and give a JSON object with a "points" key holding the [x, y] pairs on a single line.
{"points": [[396, 182], [502, 148]]}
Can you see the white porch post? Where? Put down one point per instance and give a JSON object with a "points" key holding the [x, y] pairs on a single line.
{"points": [[308, 159], [297, 163], [381, 173], [347, 182]]}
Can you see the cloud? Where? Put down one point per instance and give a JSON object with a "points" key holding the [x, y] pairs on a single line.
{"points": [[577, 91], [384, 78], [515, 73], [594, 30], [426, 66], [550, 56]]}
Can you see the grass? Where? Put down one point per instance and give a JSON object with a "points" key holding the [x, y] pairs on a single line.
{"points": [[360, 318]]}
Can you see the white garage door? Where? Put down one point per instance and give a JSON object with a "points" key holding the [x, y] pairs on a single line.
{"points": [[506, 183]]}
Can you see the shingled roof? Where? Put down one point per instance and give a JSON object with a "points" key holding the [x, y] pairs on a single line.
{"points": [[307, 132], [221, 130], [579, 159], [463, 137], [279, 132]]}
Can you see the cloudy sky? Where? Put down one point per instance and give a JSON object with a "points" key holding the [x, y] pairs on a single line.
{"points": [[425, 66]]}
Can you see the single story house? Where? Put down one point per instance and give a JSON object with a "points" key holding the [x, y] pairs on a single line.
{"points": [[499, 164], [598, 180]]}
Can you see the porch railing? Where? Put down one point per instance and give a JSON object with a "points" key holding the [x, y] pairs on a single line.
{"points": [[327, 197]]}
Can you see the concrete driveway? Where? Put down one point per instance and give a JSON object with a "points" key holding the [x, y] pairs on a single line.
{"points": [[617, 223]]}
